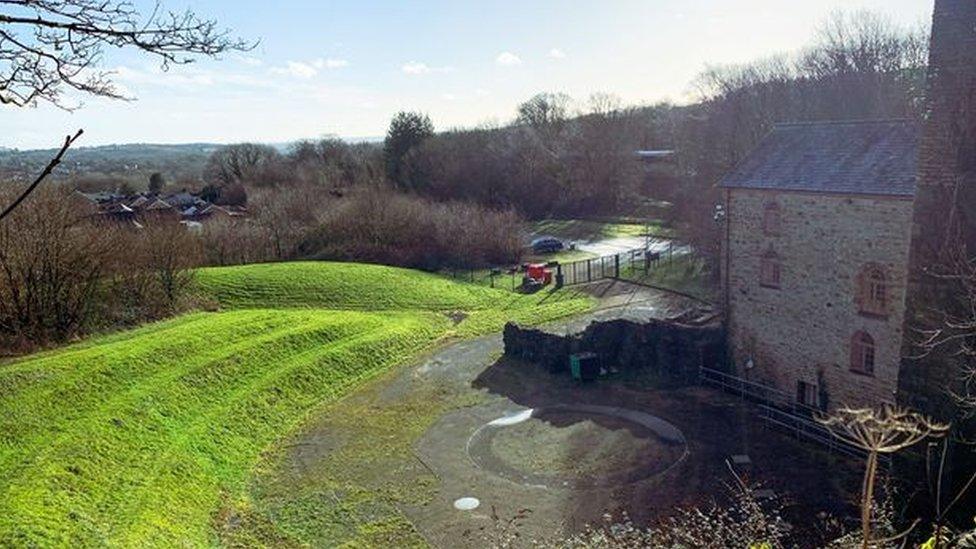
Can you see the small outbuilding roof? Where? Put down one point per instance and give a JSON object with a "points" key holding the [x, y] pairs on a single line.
{"points": [[875, 157]]}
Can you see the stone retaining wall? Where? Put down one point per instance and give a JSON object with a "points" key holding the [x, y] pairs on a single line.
{"points": [[665, 351]]}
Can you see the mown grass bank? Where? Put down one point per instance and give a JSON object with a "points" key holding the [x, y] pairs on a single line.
{"points": [[136, 439]]}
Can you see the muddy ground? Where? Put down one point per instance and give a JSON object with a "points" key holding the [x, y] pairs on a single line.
{"points": [[438, 404]]}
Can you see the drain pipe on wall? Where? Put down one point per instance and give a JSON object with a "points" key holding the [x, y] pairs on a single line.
{"points": [[728, 289]]}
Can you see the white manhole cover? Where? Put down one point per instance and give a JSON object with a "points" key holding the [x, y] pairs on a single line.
{"points": [[466, 504]]}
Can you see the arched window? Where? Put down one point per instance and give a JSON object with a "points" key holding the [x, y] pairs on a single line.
{"points": [[862, 353], [772, 219], [872, 291], [769, 270]]}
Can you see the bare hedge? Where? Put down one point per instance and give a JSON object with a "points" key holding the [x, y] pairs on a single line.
{"points": [[383, 226]]}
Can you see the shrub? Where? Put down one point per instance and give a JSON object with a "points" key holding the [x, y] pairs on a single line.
{"points": [[382, 226], [65, 271]]}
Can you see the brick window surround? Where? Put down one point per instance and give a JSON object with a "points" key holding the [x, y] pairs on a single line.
{"points": [[862, 353], [772, 221], [770, 270], [872, 291], [807, 394]]}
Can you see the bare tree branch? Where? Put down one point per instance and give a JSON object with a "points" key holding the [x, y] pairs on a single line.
{"points": [[68, 141], [49, 45]]}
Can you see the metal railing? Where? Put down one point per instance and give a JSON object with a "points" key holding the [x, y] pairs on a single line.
{"points": [[780, 410], [757, 392], [583, 271]]}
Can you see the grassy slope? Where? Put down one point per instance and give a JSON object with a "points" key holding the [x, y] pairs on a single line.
{"points": [[352, 286], [339, 286], [134, 439], [684, 273]]}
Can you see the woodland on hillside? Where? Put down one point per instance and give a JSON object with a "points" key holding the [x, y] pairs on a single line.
{"points": [[411, 200]]}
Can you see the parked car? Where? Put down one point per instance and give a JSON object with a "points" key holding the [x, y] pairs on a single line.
{"points": [[546, 245]]}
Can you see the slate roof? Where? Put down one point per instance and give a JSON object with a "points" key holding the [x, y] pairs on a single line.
{"points": [[875, 157]]}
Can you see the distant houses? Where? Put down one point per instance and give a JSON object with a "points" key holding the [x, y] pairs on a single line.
{"points": [[139, 209]]}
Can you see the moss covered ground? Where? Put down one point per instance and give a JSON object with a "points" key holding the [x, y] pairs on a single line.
{"points": [[141, 438]]}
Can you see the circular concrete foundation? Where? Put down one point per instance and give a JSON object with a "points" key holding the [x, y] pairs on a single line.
{"points": [[577, 446]]}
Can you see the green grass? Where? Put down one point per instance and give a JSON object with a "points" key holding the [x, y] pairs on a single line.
{"points": [[563, 256], [578, 229], [140, 438], [685, 273], [352, 286]]}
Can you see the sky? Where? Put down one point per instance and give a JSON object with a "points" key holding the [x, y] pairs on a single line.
{"points": [[344, 68]]}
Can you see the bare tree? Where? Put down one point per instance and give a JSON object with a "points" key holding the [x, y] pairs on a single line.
{"points": [[285, 215], [52, 258], [169, 252], [547, 114], [243, 163], [49, 45]]}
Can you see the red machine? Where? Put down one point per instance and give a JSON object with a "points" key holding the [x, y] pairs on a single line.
{"points": [[538, 274]]}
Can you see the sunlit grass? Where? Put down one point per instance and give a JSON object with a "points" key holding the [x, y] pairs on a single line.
{"points": [[136, 438], [578, 229]]}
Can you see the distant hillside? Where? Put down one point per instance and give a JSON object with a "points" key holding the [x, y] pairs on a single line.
{"points": [[135, 161]]}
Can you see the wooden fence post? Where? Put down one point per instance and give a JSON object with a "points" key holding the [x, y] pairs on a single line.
{"points": [[616, 266]]}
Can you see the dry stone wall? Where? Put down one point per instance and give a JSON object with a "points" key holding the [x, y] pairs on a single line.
{"points": [[664, 351]]}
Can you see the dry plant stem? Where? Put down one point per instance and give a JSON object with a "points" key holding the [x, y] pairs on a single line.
{"points": [[68, 141], [884, 431], [867, 497]]}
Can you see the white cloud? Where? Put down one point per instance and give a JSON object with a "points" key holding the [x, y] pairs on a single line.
{"points": [[330, 63], [248, 60], [556, 53], [414, 67], [186, 77], [309, 69], [448, 96], [481, 92], [297, 69], [508, 59]]}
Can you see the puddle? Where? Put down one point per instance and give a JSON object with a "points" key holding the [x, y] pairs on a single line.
{"points": [[466, 504], [512, 419]]}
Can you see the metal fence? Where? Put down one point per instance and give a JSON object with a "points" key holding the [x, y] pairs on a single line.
{"points": [[806, 429], [778, 409], [594, 269], [756, 392], [630, 264], [588, 270]]}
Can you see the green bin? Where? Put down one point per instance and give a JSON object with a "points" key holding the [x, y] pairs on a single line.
{"points": [[584, 366]]}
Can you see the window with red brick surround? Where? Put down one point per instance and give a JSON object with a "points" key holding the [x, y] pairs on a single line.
{"points": [[770, 269], [862, 353], [772, 221], [872, 291]]}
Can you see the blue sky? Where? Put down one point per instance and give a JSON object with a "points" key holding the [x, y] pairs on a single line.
{"points": [[343, 68]]}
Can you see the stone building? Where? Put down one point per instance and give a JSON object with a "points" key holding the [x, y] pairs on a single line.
{"points": [[815, 261]]}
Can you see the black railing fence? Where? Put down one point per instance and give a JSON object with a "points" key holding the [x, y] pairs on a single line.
{"points": [[780, 410], [635, 262]]}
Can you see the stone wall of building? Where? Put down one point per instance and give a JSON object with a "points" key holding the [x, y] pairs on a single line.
{"points": [[802, 331]]}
